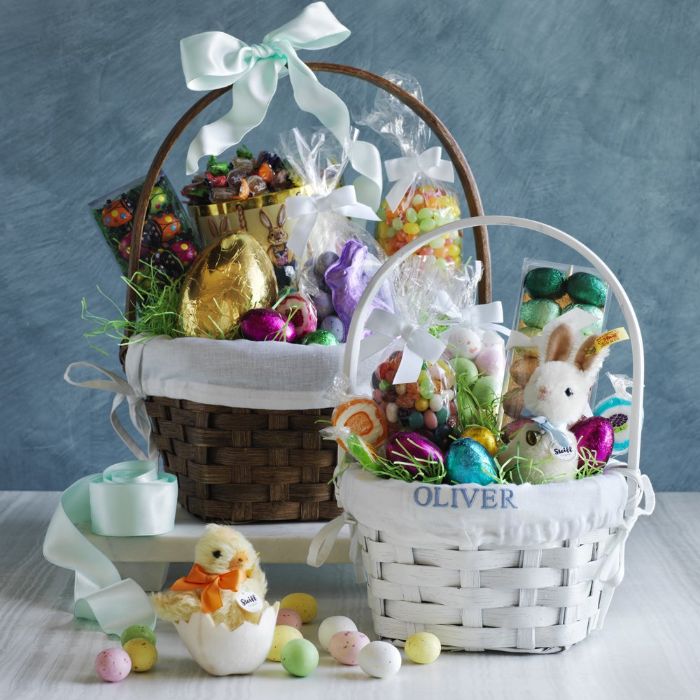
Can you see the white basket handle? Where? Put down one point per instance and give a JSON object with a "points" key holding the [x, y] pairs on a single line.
{"points": [[352, 350]]}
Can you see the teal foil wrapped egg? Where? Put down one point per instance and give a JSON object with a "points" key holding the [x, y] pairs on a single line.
{"points": [[468, 462], [585, 288], [537, 313], [545, 283]]}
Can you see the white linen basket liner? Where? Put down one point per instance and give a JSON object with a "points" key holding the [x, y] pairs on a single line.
{"points": [[522, 568]]}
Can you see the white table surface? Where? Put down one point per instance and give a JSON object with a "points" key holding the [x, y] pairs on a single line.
{"points": [[649, 648]]}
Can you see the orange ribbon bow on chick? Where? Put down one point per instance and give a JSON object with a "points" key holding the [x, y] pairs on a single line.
{"points": [[211, 584]]}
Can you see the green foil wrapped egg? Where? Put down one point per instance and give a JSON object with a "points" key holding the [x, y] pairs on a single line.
{"points": [[585, 288], [319, 337], [537, 313], [469, 462], [545, 282]]}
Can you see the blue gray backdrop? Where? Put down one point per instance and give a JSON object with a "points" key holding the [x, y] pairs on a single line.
{"points": [[580, 114]]}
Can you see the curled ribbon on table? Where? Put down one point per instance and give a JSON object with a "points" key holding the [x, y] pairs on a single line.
{"points": [[210, 585], [215, 59], [403, 171], [304, 209], [418, 344], [488, 317]]}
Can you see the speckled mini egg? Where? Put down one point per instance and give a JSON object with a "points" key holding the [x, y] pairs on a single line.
{"points": [[423, 648], [585, 288], [138, 632], [537, 313], [323, 303], [289, 617], [299, 657], [464, 342], [113, 665], [334, 325], [282, 635], [468, 462], [333, 625], [545, 282], [143, 654], [465, 370], [345, 647], [380, 659], [485, 390], [302, 603]]}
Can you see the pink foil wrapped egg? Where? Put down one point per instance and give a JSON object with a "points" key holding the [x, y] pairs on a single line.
{"points": [[345, 647], [267, 324], [595, 434], [300, 311], [401, 445]]}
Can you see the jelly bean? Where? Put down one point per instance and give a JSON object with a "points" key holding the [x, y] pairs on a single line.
{"points": [[411, 216], [384, 385], [436, 403], [397, 224], [392, 413], [427, 225], [454, 251], [430, 420], [418, 200], [422, 405], [377, 395], [411, 228], [415, 420], [400, 389], [426, 213], [441, 416]]}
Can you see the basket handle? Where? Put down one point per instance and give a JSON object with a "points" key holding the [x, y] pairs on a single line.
{"points": [[357, 326], [466, 178]]}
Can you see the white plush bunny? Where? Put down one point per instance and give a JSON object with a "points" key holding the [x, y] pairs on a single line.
{"points": [[540, 447]]}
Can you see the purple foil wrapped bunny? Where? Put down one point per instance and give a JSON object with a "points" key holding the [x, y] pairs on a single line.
{"points": [[347, 279]]}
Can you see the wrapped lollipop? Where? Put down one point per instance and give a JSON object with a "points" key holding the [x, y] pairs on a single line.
{"points": [[337, 257], [420, 198]]}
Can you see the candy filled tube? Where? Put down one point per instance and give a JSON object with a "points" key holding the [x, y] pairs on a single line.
{"points": [[357, 327]]}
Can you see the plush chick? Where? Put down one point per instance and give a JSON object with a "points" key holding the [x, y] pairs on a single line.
{"points": [[225, 563]]}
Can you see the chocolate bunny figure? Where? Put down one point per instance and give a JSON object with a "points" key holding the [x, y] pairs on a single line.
{"points": [[282, 258]]}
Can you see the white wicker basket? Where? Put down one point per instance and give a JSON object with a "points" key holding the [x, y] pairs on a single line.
{"points": [[536, 580]]}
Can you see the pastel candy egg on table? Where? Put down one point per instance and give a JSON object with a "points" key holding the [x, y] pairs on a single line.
{"points": [[300, 311], [380, 659], [345, 647], [282, 635], [138, 632], [299, 657], [113, 665], [143, 654], [423, 648], [331, 626], [289, 617], [469, 462], [302, 603]]}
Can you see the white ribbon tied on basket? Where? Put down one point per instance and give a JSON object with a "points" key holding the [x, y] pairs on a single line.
{"points": [[488, 317], [403, 171], [304, 210], [418, 345], [212, 60]]}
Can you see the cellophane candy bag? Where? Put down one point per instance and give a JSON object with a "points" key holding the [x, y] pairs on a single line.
{"points": [[420, 200]]}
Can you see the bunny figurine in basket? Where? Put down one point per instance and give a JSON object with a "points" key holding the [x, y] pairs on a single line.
{"points": [[280, 255], [541, 448]]}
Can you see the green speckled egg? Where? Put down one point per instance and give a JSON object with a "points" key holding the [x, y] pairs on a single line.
{"points": [[545, 282], [585, 288], [537, 313]]}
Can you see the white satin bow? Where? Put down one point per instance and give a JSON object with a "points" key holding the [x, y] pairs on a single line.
{"points": [[418, 345], [215, 59], [304, 209], [403, 171], [488, 317]]}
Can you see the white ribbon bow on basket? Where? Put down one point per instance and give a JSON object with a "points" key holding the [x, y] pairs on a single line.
{"points": [[214, 60], [417, 344], [403, 171], [304, 209], [488, 317]]}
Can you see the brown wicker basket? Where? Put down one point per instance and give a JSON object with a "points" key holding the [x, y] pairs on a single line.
{"points": [[241, 464]]}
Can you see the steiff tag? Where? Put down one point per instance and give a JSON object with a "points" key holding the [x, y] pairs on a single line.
{"points": [[561, 452], [249, 602]]}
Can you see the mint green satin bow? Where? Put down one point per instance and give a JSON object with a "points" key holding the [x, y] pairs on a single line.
{"points": [[215, 59]]}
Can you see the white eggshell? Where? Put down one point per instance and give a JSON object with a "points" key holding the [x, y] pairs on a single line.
{"points": [[331, 625], [224, 652], [380, 659]]}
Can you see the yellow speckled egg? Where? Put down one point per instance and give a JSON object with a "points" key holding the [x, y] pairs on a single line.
{"points": [[483, 436], [423, 648], [303, 603], [282, 635], [142, 653]]}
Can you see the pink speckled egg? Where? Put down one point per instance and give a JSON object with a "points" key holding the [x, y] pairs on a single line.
{"points": [[266, 324], [300, 311], [289, 617], [345, 647], [113, 665]]}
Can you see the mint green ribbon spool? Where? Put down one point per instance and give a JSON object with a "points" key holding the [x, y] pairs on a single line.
{"points": [[131, 499]]}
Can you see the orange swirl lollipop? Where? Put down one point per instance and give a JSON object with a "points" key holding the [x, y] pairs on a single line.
{"points": [[364, 418]]}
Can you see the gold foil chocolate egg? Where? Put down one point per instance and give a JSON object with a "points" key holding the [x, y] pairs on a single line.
{"points": [[228, 278]]}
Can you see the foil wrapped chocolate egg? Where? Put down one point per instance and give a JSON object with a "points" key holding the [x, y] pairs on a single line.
{"points": [[267, 324], [597, 435], [545, 282], [228, 278], [537, 313], [585, 288], [469, 462], [402, 448]]}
